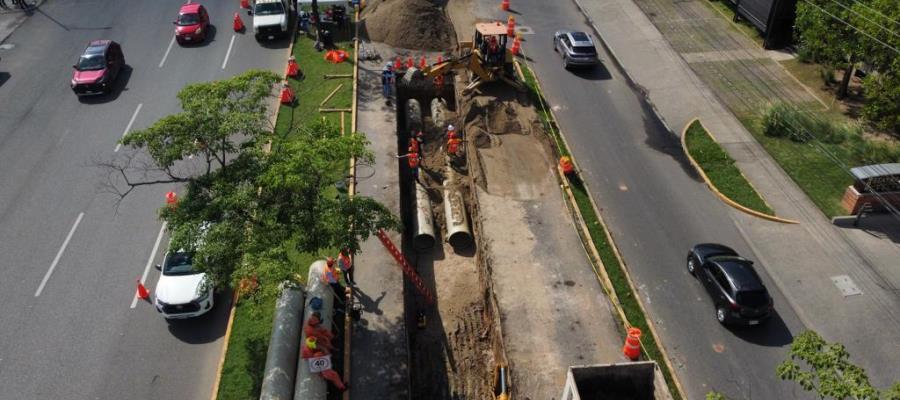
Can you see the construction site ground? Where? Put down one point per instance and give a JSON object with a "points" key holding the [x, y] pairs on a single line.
{"points": [[524, 294]]}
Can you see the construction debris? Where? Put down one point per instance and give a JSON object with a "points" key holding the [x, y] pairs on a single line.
{"points": [[409, 24]]}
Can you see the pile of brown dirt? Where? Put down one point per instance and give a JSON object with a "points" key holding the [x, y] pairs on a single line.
{"points": [[409, 24]]}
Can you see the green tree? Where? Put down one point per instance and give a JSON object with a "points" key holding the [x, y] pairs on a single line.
{"points": [[242, 205], [825, 369], [881, 44], [826, 38]]}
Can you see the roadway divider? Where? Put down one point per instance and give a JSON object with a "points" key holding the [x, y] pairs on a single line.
{"points": [[712, 187], [561, 147]]}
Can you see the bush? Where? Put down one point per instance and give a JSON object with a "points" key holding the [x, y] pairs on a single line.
{"points": [[783, 120], [827, 74], [871, 152], [882, 106]]}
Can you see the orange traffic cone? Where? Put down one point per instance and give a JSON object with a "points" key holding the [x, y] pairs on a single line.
{"points": [[409, 63], [245, 4], [293, 70], [287, 94], [398, 64], [632, 348], [238, 24], [504, 5], [511, 26], [142, 291], [517, 45], [171, 199], [423, 63]]}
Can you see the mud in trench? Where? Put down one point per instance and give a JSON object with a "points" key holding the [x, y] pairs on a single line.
{"points": [[453, 340]]}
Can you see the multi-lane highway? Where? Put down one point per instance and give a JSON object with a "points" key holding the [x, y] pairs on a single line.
{"points": [[656, 208], [69, 256]]}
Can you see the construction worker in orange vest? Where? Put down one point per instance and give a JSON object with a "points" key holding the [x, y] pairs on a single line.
{"points": [[314, 329], [313, 350], [345, 263], [413, 145], [331, 275], [412, 158], [453, 143]]}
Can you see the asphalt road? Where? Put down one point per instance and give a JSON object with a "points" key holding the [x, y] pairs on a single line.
{"points": [[76, 336], [656, 208]]}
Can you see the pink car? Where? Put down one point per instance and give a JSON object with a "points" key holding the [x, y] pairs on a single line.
{"points": [[192, 24], [97, 68]]}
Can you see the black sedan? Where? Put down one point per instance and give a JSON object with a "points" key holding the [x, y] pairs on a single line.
{"points": [[734, 286]]}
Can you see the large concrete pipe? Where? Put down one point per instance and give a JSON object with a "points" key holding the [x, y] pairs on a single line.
{"points": [[284, 346], [423, 235], [413, 117], [458, 233], [439, 113], [310, 385]]}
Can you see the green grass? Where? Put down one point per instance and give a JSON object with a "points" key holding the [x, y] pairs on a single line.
{"points": [[312, 88], [721, 171], [726, 12], [245, 360], [630, 306], [814, 172]]}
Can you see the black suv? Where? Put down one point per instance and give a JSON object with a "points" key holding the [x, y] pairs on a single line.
{"points": [[736, 289]]}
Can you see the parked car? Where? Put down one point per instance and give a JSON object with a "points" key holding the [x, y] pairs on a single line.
{"points": [[97, 68], [738, 293], [192, 24], [182, 291], [270, 19], [576, 49]]}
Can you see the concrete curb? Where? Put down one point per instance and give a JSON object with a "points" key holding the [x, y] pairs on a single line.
{"points": [[712, 187], [615, 248]]}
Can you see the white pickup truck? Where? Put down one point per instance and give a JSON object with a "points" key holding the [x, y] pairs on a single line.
{"points": [[270, 19]]}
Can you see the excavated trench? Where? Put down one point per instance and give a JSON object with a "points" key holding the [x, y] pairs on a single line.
{"points": [[455, 342]]}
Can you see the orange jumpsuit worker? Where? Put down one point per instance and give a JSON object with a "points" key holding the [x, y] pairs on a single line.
{"points": [[312, 350], [333, 277], [345, 263], [412, 157], [314, 329]]}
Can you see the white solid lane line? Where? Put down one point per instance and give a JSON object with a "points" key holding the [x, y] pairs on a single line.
{"points": [[165, 56], [58, 255], [228, 53], [128, 128], [159, 237]]}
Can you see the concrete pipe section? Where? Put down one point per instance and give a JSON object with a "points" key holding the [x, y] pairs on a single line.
{"points": [[458, 233], [439, 113], [284, 346], [423, 235], [413, 117], [310, 385]]}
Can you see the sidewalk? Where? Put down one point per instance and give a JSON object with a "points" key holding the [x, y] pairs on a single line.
{"points": [[11, 18], [380, 357], [802, 259]]}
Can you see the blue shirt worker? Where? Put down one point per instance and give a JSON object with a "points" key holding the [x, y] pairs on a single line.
{"points": [[387, 79]]}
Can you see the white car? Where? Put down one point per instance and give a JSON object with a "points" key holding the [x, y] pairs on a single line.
{"points": [[270, 19], [182, 291]]}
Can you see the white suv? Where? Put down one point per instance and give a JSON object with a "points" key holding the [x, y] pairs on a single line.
{"points": [[182, 291]]}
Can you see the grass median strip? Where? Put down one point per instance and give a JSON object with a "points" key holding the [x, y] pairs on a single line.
{"points": [[598, 235], [720, 169]]}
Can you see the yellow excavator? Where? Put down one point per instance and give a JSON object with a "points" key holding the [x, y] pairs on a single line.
{"points": [[486, 58]]}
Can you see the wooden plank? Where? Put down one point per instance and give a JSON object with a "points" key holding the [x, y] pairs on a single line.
{"points": [[333, 92]]}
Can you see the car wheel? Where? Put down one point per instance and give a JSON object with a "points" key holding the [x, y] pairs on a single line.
{"points": [[691, 265], [721, 314], [565, 62]]}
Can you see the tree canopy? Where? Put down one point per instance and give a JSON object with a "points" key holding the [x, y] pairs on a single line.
{"points": [[243, 204]]}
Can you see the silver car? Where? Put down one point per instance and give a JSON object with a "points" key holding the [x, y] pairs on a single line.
{"points": [[576, 48]]}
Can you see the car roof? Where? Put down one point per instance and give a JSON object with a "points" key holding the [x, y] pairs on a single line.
{"points": [[740, 272], [190, 8], [580, 38], [97, 46]]}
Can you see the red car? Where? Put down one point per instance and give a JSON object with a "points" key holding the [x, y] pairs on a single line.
{"points": [[192, 24], [97, 68]]}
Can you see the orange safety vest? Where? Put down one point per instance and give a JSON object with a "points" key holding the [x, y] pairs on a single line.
{"points": [[453, 145], [414, 160], [344, 261], [330, 274]]}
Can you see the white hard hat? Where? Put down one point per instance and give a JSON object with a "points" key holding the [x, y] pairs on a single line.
{"points": [[450, 127]]}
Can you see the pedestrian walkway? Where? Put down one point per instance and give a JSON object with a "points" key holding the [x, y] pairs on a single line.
{"points": [[380, 356], [804, 260], [11, 17]]}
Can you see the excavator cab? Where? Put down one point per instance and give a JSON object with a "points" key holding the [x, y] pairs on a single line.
{"points": [[490, 40]]}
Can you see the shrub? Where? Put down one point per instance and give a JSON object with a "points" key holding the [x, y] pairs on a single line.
{"points": [[882, 106], [871, 152], [783, 120]]}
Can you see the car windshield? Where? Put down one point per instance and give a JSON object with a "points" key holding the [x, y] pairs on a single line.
{"points": [[583, 50], [756, 298], [179, 264], [90, 62], [269, 9], [188, 19]]}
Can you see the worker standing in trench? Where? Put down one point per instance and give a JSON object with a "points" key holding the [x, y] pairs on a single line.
{"points": [[412, 158]]}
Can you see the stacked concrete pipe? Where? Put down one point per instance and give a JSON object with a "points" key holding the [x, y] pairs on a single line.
{"points": [[311, 386], [423, 235], [459, 234], [284, 346]]}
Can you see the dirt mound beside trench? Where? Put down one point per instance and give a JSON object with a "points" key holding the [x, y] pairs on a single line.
{"points": [[409, 24]]}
